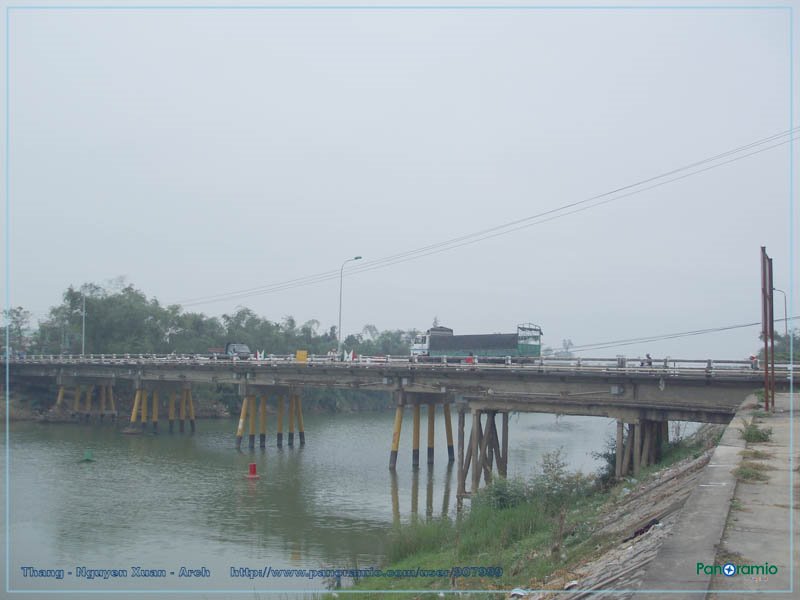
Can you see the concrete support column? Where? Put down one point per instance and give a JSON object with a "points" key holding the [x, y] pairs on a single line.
{"points": [[182, 421], [240, 426], [637, 448], [398, 425], [155, 411], [251, 403], [415, 438], [475, 449], [262, 417], [279, 432], [292, 410], [448, 427], [301, 432], [136, 399], [431, 425], [172, 397], [461, 489], [619, 447], [143, 407]]}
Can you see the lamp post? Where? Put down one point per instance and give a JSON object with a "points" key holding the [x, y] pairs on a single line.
{"points": [[785, 315], [83, 326], [341, 276]]}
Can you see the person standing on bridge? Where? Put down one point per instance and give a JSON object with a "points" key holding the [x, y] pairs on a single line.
{"points": [[649, 360]]}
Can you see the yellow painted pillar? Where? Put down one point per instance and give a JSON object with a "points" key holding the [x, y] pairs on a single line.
{"points": [[291, 418], [172, 396], [448, 427], [182, 421], [415, 438], [88, 406], [240, 427], [155, 411], [300, 427], [102, 393], [262, 417], [251, 402], [112, 401], [431, 417], [76, 404], [143, 406], [398, 424], [279, 433], [134, 412], [191, 409], [60, 397]]}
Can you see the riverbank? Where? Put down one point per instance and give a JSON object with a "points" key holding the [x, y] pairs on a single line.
{"points": [[602, 541]]}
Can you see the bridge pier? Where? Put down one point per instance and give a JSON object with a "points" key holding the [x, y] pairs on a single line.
{"points": [[279, 433], [173, 395], [155, 411], [300, 427], [486, 450], [251, 403], [415, 438], [640, 447], [262, 417]]}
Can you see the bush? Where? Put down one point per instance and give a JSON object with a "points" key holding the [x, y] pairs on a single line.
{"points": [[752, 433], [503, 494]]}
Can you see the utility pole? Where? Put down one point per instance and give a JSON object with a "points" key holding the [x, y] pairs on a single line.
{"points": [[83, 326]]}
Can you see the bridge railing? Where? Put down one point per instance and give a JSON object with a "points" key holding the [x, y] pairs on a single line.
{"points": [[632, 366]]}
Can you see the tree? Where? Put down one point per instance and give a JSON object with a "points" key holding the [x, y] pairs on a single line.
{"points": [[16, 321]]}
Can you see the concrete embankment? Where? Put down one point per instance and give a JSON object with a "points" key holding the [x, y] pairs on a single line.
{"points": [[703, 511]]}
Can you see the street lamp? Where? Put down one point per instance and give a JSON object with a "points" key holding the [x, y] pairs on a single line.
{"points": [[785, 315], [341, 276], [83, 326]]}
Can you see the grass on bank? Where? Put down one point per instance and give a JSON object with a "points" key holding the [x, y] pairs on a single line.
{"points": [[531, 529]]}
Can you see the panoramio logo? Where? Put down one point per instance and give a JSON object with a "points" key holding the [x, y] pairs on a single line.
{"points": [[730, 569]]}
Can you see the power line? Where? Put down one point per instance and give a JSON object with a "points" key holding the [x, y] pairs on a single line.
{"points": [[511, 226], [666, 336]]}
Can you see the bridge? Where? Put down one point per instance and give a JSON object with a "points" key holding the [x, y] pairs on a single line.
{"points": [[643, 398]]}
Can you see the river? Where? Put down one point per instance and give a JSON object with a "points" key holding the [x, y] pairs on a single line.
{"points": [[163, 502]]}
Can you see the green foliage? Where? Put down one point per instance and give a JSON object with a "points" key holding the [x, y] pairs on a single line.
{"points": [[782, 347], [752, 433], [121, 319], [750, 471], [17, 319], [503, 493]]}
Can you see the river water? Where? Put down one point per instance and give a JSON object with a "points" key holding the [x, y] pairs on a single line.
{"points": [[171, 501]]}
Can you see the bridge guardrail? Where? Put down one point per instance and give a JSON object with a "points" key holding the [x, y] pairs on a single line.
{"points": [[589, 365]]}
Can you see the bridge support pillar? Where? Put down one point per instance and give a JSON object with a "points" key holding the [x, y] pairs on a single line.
{"points": [[240, 427], [143, 406], [292, 409], [300, 427], [172, 397], [262, 418], [182, 421], [87, 408], [112, 403], [251, 404], [399, 396], [448, 426], [190, 400], [155, 411], [137, 397], [60, 396], [76, 403], [431, 425], [102, 400], [619, 447], [637, 448], [415, 438], [279, 429]]}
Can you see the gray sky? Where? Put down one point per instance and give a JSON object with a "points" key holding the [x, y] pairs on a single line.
{"points": [[204, 152]]}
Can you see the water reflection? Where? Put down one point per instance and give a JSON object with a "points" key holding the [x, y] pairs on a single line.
{"points": [[430, 489]]}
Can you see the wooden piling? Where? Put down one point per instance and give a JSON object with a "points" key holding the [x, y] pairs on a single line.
{"points": [[475, 449], [448, 428], [262, 418], [431, 425]]}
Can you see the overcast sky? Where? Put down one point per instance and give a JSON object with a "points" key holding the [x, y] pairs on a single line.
{"points": [[204, 152]]}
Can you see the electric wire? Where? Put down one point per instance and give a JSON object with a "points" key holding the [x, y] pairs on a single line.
{"points": [[506, 228]]}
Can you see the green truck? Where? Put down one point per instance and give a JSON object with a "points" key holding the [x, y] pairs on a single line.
{"points": [[440, 341]]}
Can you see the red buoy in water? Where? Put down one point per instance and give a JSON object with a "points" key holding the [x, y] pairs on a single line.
{"points": [[252, 474]]}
